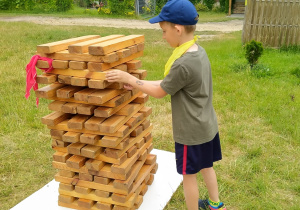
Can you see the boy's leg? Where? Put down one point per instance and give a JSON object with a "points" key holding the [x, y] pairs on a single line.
{"points": [[210, 180], [190, 188]]}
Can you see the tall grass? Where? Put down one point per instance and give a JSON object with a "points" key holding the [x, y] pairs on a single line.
{"points": [[258, 118]]}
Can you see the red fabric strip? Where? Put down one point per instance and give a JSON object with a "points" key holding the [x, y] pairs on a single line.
{"points": [[31, 74], [184, 159]]}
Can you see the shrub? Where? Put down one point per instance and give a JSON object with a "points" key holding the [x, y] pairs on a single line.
{"points": [[209, 3], [64, 5], [121, 7], [201, 7], [254, 50]]}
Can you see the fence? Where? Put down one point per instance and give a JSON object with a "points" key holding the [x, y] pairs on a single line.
{"points": [[275, 23]]}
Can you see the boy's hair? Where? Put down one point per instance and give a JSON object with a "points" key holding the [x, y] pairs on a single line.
{"points": [[188, 28]]}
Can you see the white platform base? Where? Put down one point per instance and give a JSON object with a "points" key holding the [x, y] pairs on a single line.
{"points": [[166, 181]]}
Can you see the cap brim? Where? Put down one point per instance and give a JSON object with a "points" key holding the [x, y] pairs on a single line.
{"points": [[156, 19]]}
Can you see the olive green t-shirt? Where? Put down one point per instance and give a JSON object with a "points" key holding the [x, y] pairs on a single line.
{"points": [[189, 83]]}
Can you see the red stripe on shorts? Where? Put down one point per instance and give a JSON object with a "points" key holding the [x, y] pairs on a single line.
{"points": [[184, 159]]}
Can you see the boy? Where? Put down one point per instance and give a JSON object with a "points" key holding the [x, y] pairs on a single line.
{"points": [[189, 82]]}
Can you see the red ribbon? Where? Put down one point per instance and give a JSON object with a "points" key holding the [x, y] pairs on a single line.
{"points": [[31, 74]]}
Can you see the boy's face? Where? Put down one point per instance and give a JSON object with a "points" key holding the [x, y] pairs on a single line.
{"points": [[170, 34]]}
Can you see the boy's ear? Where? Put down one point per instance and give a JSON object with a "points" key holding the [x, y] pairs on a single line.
{"points": [[179, 28]]}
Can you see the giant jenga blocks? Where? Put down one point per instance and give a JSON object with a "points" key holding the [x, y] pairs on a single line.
{"points": [[100, 132]]}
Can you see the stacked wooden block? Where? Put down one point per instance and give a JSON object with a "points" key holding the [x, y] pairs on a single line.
{"points": [[100, 131]]}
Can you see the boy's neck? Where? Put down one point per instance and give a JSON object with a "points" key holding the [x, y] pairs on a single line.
{"points": [[186, 38]]}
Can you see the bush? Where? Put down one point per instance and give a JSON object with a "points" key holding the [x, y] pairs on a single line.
{"points": [[121, 7], [254, 50], [209, 3], [201, 7], [64, 5]]}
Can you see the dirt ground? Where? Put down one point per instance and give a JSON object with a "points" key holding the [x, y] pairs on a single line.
{"points": [[225, 27]]}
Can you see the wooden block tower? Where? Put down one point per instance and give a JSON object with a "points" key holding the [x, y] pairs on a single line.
{"points": [[100, 131]]}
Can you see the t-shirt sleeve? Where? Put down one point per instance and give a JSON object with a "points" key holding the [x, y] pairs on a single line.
{"points": [[175, 80]]}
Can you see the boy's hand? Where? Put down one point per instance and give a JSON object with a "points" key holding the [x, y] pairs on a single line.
{"points": [[128, 87], [117, 76]]}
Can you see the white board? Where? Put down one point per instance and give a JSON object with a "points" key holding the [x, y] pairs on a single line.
{"points": [[166, 182]]}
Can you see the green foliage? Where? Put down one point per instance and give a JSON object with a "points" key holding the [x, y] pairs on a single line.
{"points": [[209, 3], [38, 5], [260, 71], [201, 7], [296, 72], [159, 5], [254, 50], [121, 7], [64, 5]]}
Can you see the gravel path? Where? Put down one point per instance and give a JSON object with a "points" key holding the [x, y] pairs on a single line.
{"points": [[228, 26]]}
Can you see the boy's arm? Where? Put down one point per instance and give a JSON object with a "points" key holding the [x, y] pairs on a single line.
{"points": [[151, 88]]}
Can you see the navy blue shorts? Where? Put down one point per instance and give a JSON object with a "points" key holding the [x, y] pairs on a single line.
{"points": [[190, 159]]}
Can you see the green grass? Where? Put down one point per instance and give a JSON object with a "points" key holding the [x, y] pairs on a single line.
{"points": [[79, 12], [258, 118]]}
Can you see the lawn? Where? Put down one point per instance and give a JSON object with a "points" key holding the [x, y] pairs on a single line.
{"points": [[258, 118]]}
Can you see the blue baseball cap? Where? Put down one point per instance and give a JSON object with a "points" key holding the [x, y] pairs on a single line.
{"points": [[181, 12]]}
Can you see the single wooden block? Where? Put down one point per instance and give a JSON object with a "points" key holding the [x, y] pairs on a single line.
{"points": [[154, 170], [79, 81], [77, 122], [123, 53], [122, 67], [57, 134], [77, 65], [95, 66], [131, 151], [145, 124], [67, 92], [86, 109], [140, 143], [151, 159], [102, 194], [66, 173], [102, 96], [46, 78], [87, 138], [72, 137], [60, 64], [70, 108], [56, 105], [83, 94], [64, 79], [137, 131], [54, 118], [138, 202], [104, 206], [59, 143], [76, 161], [140, 47], [144, 190], [91, 151], [82, 47], [132, 122], [115, 44], [61, 157], [94, 165], [63, 44], [150, 180], [141, 99], [146, 111], [111, 124], [48, 91], [102, 180], [41, 64], [85, 203], [147, 137], [66, 187], [82, 190], [126, 110], [142, 73], [111, 57], [86, 177], [66, 199], [98, 84], [75, 148], [94, 123], [133, 49]]}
